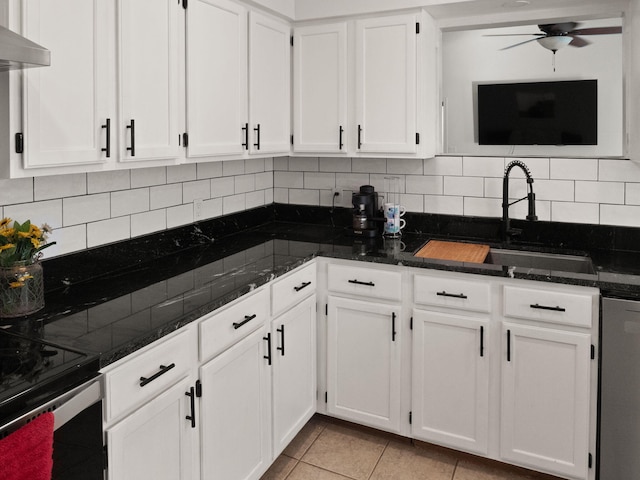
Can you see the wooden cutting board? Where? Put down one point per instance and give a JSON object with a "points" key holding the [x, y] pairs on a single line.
{"points": [[459, 252]]}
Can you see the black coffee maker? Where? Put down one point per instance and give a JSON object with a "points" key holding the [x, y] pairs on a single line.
{"points": [[366, 218]]}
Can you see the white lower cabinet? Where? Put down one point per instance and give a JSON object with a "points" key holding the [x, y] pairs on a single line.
{"points": [[546, 399], [234, 411], [450, 368], [363, 362]]}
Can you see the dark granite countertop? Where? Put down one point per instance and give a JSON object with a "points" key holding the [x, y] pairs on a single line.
{"points": [[116, 299]]}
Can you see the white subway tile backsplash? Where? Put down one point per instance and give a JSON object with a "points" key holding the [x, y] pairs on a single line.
{"points": [[369, 165], [632, 194], [49, 212], [100, 182], [148, 177], [573, 168], [483, 166], [233, 204], [281, 163], [16, 191], [244, 183], [179, 215], [212, 208], [407, 166], [493, 187], [254, 199], [127, 202], [443, 166], [59, 186], [108, 231], [68, 240], [304, 197], [254, 165], [281, 195], [482, 207], [181, 173], [600, 192], [317, 180], [264, 180], [232, 167], [164, 196], [521, 210], [570, 212], [539, 167], [303, 164], [623, 215], [148, 222], [268, 196], [85, 209], [222, 187], [412, 203], [464, 186], [425, 185], [198, 190], [268, 164], [208, 170], [445, 205], [351, 181], [561, 190], [613, 170], [335, 164]]}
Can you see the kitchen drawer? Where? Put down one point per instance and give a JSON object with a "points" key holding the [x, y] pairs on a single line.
{"points": [[224, 328], [366, 282], [452, 292], [293, 288], [552, 306], [147, 373]]}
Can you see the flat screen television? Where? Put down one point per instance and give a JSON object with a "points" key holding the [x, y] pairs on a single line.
{"points": [[538, 113]]}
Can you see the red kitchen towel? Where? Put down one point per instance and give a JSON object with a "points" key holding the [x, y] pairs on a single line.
{"points": [[27, 454]]}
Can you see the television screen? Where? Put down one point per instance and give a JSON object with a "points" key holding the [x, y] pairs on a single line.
{"points": [[538, 113]]}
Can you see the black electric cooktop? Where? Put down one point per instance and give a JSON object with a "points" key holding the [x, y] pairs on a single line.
{"points": [[34, 371]]}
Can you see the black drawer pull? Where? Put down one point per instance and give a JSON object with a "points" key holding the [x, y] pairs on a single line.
{"points": [[267, 357], [368, 284], [281, 347], [508, 345], [359, 137], [257, 135], [544, 307], [132, 127], [393, 326], [162, 371], [245, 131], [452, 295], [340, 142], [304, 285], [481, 341], [107, 148], [247, 318], [192, 398]]}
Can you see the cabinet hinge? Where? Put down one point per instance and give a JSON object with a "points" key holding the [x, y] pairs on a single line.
{"points": [[417, 27], [105, 458], [185, 139], [410, 418], [417, 138], [411, 323], [19, 143], [593, 352], [198, 389], [590, 461], [292, 40], [184, 4], [326, 397]]}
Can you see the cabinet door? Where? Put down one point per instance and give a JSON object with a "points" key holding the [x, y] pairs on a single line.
{"points": [[235, 419], [269, 85], [320, 88], [386, 84], [294, 372], [66, 104], [545, 399], [363, 362], [157, 442], [216, 78], [149, 43], [450, 401]]}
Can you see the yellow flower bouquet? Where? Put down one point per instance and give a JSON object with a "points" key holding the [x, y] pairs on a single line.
{"points": [[21, 279]]}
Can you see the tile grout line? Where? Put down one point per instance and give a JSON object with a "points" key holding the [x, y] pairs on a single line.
{"points": [[378, 461], [455, 468]]}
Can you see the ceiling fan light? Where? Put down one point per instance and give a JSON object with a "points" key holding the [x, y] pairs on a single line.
{"points": [[555, 42]]}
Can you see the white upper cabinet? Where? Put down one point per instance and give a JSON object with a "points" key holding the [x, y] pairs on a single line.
{"points": [[386, 69], [320, 88], [149, 45], [217, 114], [269, 85], [66, 105]]}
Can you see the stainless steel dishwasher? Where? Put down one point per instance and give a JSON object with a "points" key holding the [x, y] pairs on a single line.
{"points": [[620, 390]]}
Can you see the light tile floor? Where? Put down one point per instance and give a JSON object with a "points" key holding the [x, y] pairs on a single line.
{"points": [[327, 449]]}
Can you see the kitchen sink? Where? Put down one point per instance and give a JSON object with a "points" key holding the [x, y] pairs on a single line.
{"points": [[540, 261]]}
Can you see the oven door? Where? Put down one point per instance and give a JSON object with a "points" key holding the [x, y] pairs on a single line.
{"points": [[78, 440]]}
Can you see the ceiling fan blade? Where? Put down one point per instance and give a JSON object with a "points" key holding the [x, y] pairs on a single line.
{"points": [[596, 31], [521, 43], [514, 34], [578, 41], [555, 28]]}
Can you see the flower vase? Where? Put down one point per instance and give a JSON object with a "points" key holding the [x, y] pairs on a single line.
{"points": [[21, 289]]}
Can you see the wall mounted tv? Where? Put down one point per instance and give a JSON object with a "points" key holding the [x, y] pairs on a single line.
{"points": [[538, 113]]}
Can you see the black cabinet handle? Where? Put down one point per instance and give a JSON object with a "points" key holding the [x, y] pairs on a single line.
{"points": [[281, 347], [359, 137], [245, 129], [481, 341], [393, 326], [304, 285], [132, 127], [452, 295], [257, 132], [340, 143], [247, 318], [107, 148], [544, 307], [144, 380], [368, 284], [268, 355], [508, 345], [192, 398]]}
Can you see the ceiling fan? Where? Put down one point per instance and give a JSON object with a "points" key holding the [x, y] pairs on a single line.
{"points": [[554, 36]]}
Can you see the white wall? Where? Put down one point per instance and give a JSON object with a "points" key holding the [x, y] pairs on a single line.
{"points": [[470, 56]]}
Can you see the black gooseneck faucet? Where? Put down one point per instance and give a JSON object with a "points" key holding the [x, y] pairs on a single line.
{"points": [[507, 231]]}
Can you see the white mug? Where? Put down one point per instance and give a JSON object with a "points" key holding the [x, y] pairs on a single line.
{"points": [[392, 221]]}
